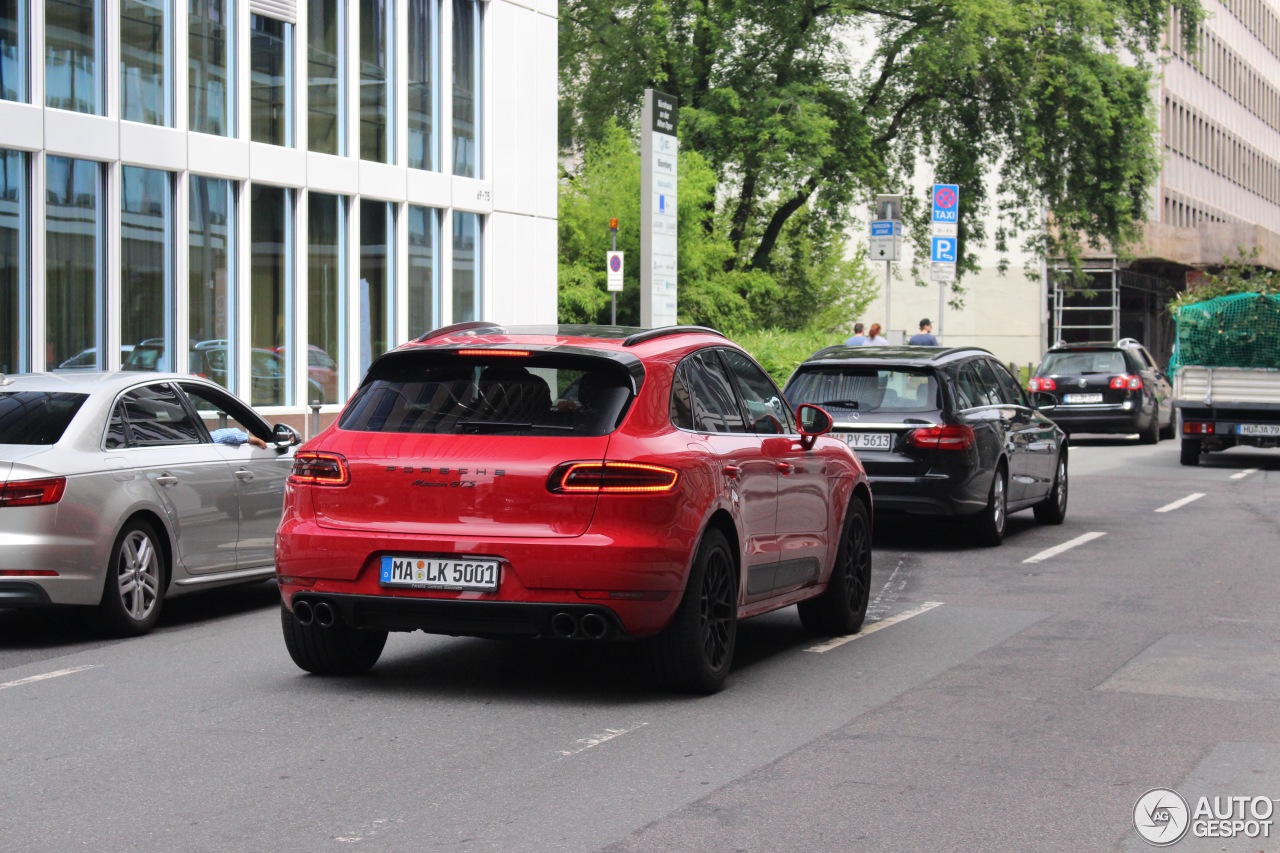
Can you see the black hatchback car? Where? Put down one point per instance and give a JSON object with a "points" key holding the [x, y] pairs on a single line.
{"points": [[1104, 388], [942, 432]]}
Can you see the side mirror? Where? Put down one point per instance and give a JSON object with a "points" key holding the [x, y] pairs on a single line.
{"points": [[814, 420], [285, 436]]}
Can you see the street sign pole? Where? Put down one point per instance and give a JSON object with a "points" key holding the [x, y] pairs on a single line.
{"points": [[613, 247]]}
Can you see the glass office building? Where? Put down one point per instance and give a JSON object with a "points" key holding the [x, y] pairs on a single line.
{"points": [[270, 193]]}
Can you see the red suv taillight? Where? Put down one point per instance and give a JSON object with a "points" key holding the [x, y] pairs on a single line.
{"points": [[317, 468], [612, 478], [1128, 382], [1041, 383], [948, 437], [32, 492]]}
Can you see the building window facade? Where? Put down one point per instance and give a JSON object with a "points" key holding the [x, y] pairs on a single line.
{"points": [[14, 309], [73, 56], [271, 296], [326, 76], [424, 59], [13, 50], [466, 267], [146, 93], [326, 298], [424, 270], [210, 64], [146, 268], [377, 291], [466, 88], [74, 227], [377, 123], [270, 81], [211, 276]]}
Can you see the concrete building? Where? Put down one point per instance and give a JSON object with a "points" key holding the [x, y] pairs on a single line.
{"points": [[1218, 193], [270, 192]]}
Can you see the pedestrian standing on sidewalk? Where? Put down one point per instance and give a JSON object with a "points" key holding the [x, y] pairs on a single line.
{"points": [[858, 339], [925, 338], [874, 338]]}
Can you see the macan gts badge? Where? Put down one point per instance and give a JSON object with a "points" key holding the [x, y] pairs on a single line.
{"points": [[576, 484]]}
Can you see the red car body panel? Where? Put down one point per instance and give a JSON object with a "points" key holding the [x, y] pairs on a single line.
{"points": [[780, 500]]}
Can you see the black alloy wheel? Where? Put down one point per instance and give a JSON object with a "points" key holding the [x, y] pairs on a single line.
{"points": [[988, 527], [1151, 435], [843, 607], [695, 652], [1053, 509]]}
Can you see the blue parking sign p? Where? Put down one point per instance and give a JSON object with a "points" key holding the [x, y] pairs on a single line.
{"points": [[944, 250]]}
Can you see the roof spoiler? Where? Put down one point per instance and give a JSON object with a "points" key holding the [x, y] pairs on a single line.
{"points": [[471, 327], [663, 331]]}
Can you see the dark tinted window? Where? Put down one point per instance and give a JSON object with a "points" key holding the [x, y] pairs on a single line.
{"points": [[154, 415], [1083, 362], [36, 417], [1010, 390], [443, 392], [992, 393], [681, 400], [767, 412], [865, 388], [974, 389], [715, 409]]}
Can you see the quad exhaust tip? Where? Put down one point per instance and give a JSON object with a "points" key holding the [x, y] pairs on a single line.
{"points": [[325, 615], [594, 627], [563, 625], [303, 613]]}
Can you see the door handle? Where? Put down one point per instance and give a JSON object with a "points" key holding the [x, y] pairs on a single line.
{"points": [[732, 471], [167, 479], [244, 474], [785, 467]]}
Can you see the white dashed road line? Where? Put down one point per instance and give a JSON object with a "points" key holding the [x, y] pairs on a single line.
{"points": [[47, 675], [1178, 504], [1245, 473], [1065, 546], [871, 629], [585, 743]]}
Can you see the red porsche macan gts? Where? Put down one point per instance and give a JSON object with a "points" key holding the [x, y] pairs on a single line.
{"points": [[575, 483]]}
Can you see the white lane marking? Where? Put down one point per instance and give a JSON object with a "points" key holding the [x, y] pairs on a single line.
{"points": [[888, 593], [1181, 502], [604, 737], [1245, 473], [1065, 546], [837, 642], [47, 675]]}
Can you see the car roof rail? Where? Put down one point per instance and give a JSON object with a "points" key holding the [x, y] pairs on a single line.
{"points": [[663, 331], [471, 327], [1128, 342]]}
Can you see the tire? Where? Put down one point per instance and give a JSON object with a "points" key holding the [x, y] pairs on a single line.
{"points": [[988, 525], [1151, 435], [133, 591], [1171, 431], [694, 653], [842, 608], [337, 650], [1190, 451], [1053, 509]]}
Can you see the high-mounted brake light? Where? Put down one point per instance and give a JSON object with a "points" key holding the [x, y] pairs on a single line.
{"points": [[633, 478], [1041, 383], [1128, 382], [507, 353], [318, 468], [32, 492], [948, 437]]}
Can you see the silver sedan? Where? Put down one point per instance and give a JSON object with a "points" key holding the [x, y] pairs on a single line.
{"points": [[120, 489]]}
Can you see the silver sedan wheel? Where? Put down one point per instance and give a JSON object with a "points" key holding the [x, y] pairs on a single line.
{"points": [[138, 575]]}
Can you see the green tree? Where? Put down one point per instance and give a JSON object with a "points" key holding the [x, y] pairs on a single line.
{"points": [[803, 107]]}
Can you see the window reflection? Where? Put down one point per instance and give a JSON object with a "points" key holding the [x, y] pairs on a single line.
{"points": [[72, 77], [210, 248], [376, 235], [13, 261], [325, 76], [73, 235], [466, 88], [424, 48], [209, 66], [271, 314], [375, 86], [270, 93], [466, 267], [146, 223], [326, 302], [144, 61], [423, 272], [13, 50]]}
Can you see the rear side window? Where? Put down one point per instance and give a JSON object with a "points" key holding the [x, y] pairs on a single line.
{"points": [[866, 389], [36, 417], [1083, 362], [702, 396], [443, 392]]}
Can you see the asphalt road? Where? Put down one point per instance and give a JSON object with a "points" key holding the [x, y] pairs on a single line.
{"points": [[1017, 698]]}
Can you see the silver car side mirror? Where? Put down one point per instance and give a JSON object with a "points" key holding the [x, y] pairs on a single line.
{"points": [[286, 436]]}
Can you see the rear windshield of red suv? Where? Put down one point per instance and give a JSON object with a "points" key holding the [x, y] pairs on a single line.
{"points": [[36, 417], [443, 392]]}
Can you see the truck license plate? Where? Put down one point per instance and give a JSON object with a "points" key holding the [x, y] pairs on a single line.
{"points": [[1258, 429], [438, 573]]}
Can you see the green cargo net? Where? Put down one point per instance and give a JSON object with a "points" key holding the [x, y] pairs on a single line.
{"points": [[1240, 330]]}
